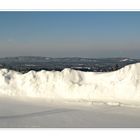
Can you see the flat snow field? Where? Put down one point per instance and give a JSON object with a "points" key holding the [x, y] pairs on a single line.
{"points": [[34, 113]]}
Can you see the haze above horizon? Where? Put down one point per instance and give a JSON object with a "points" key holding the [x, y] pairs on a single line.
{"points": [[70, 34]]}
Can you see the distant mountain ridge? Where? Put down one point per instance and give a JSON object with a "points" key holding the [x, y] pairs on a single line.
{"points": [[66, 58]]}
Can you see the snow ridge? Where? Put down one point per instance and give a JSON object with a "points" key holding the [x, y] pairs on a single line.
{"points": [[119, 86]]}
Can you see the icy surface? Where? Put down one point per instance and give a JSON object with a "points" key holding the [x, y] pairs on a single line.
{"points": [[122, 86]]}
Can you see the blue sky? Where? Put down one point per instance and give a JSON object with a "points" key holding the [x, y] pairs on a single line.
{"points": [[68, 34]]}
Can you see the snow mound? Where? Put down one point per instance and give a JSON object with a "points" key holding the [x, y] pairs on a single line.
{"points": [[123, 60], [119, 86]]}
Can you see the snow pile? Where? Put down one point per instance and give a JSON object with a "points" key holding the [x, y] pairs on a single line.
{"points": [[123, 60], [118, 86]]}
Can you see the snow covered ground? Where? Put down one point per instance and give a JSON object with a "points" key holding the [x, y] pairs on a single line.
{"points": [[39, 113], [70, 98]]}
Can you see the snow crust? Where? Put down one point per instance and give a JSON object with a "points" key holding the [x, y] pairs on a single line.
{"points": [[119, 86]]}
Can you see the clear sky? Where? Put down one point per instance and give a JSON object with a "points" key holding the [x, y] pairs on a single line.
{"points": [[70, 34]]}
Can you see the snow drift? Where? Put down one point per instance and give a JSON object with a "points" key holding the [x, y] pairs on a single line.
{"points": [[118, 86]]}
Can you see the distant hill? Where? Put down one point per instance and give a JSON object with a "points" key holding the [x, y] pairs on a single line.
{"points": [[27, 63]]}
